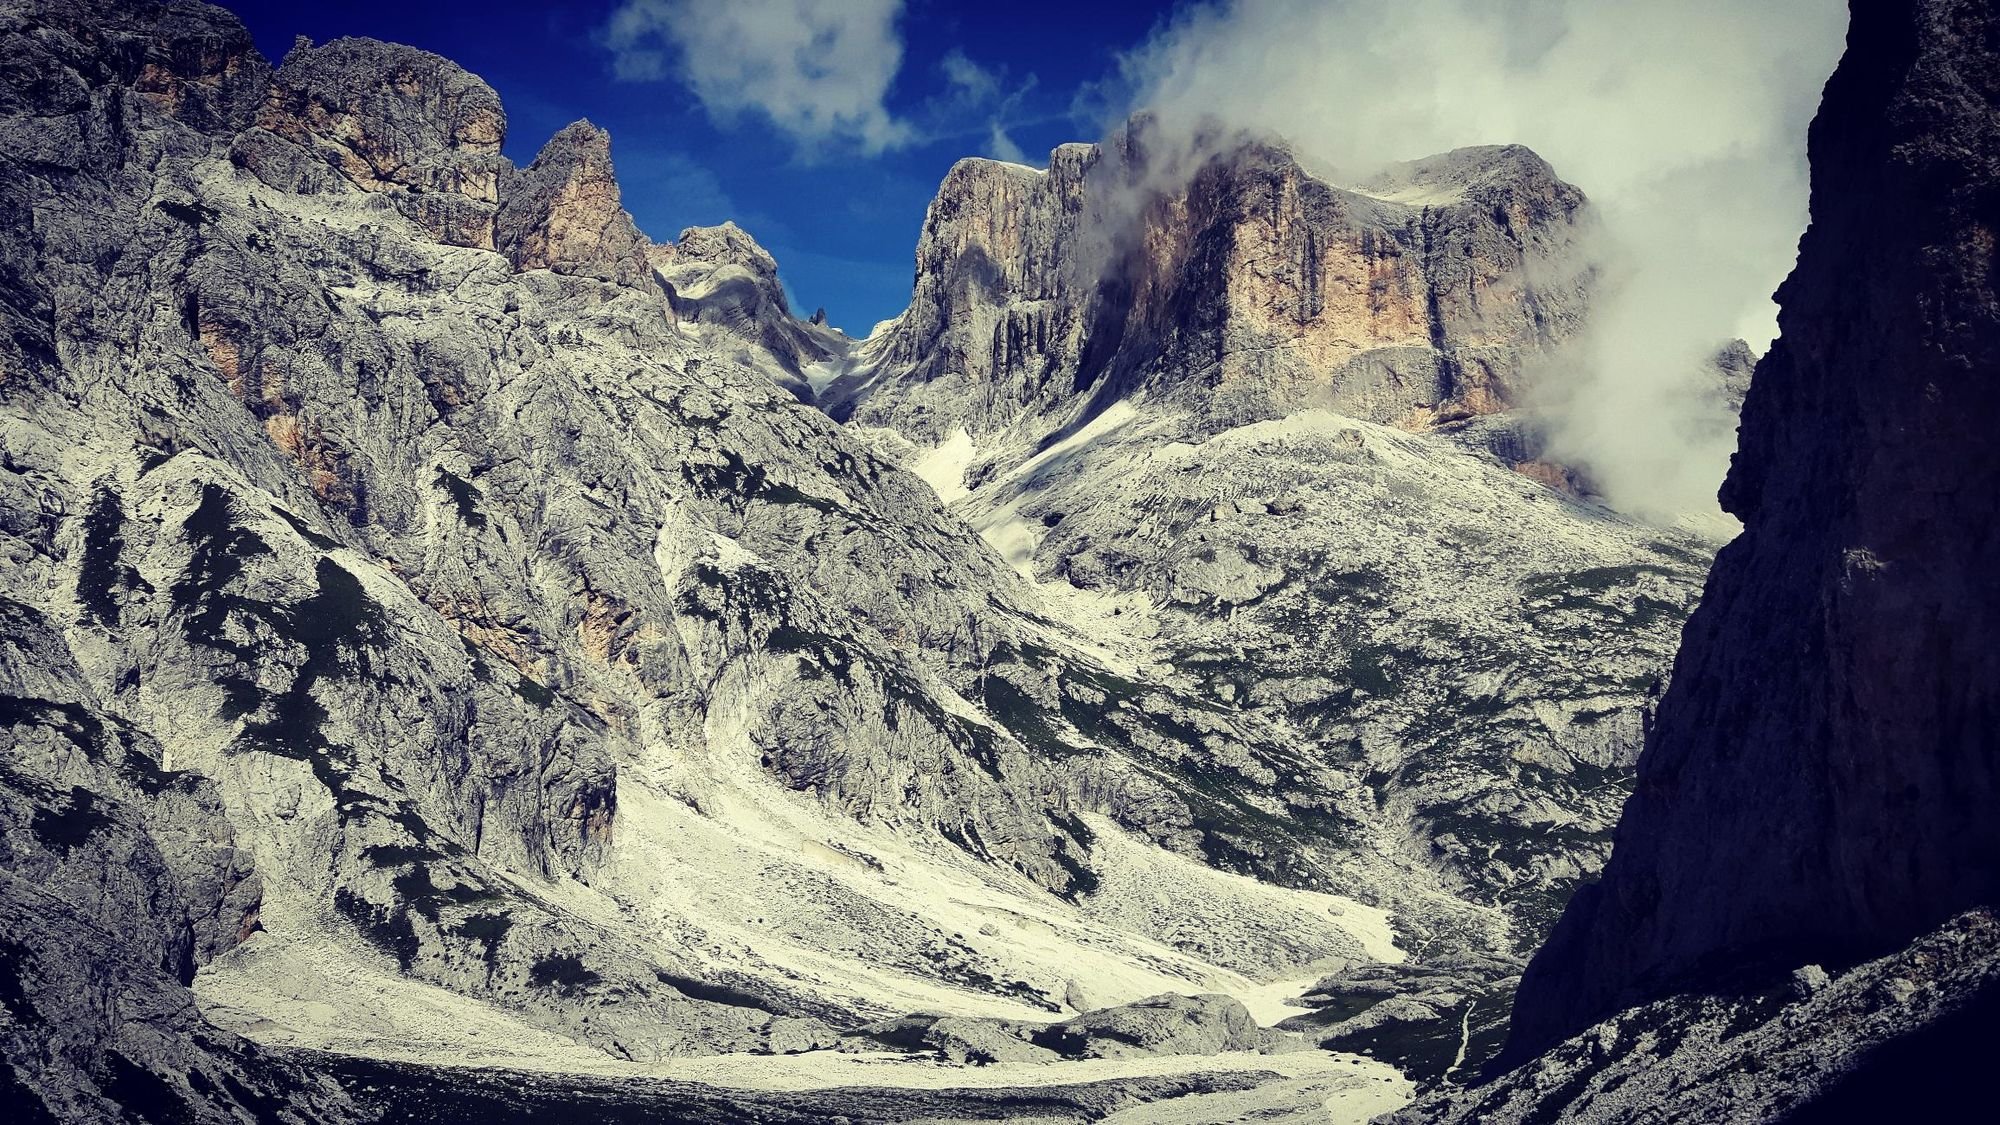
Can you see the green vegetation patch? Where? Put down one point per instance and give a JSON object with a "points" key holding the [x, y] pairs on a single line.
{"points": [[737, 479], [337, 624], [388, 930], [489, 930], [102, 575], [1595, 580], [73, 721], [465, 496]]}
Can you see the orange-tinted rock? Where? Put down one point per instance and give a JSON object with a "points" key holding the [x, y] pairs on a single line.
{"points": [[564, 213], [1246, 287], [387, 118]]}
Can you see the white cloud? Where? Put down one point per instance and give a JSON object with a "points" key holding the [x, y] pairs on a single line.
{"points": [[1000, 146], [818, 70], [1684, 121], [973, 90], [971, 80]]}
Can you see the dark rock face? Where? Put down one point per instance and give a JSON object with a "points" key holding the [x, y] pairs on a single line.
{"points": [[1434, 1022], [193, 65], [1821, 782], [1905, 1037]]}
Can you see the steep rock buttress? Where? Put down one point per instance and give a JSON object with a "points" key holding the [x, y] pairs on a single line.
{"points": [[1821, 781]]}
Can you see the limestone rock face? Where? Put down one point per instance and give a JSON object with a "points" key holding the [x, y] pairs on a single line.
{"points": [[192, 64], [724, 282], [385, 118], [563, 213], [538, 661], [1246, 290], [1819, 785], [119, 878], [1256, 428], [406, 697]]}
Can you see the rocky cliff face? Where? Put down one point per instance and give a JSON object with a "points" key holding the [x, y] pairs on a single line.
{"points": [[562, 213], [1820, 783], [422, 133], [119, 877], [1242, 286]]}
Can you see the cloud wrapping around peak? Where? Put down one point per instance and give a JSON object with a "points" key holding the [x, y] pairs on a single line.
{"points": [[1683, 121], [818, 70]]}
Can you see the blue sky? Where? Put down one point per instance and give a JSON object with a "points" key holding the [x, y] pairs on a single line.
{"points": [[830, 170]]}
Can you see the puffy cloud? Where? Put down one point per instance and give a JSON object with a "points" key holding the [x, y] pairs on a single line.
{"points": [[818, 70], [1685, 123]]}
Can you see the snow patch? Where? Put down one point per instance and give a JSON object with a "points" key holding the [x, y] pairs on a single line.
{"points": [[943, 466], [821, 375], [1114, 418]]}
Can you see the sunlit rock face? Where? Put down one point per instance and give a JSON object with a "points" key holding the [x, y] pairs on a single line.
{"points": [[384, 118], [563, 213], [1236, 283]]}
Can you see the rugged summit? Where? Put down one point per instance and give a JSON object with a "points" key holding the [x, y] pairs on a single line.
{"points": [[407, 124], [563, 213], [1229, 279], [1257, 427], [722, 281]]}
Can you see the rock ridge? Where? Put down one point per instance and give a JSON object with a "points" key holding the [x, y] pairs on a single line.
{"points": [[1244, 287]]}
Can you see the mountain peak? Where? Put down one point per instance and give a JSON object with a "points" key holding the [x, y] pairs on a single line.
{"points": [[721, 277], [563, 212], [1222, 275], [390, 119]]}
